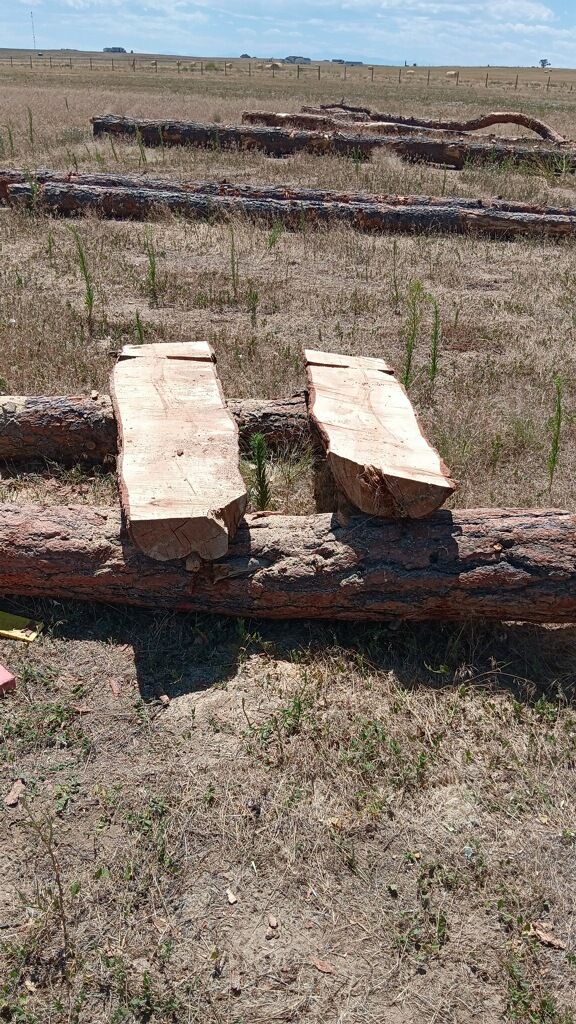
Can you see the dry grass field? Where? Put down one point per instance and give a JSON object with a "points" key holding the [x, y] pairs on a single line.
{"points": [[334, 825]]}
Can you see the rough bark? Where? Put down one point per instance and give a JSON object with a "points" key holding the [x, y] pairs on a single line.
{"points": [[78, 428], [492, 564], [275, 142], [282, 142], [224, 189], [453, 216], [473, 124]]}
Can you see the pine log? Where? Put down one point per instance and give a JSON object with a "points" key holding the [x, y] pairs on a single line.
{"points": [[288, 193], [454, 216], [507, 564], [77, 428], [178, 469], [376, 450], [322, 122], [533, 124], [282, 142], [275, 142]]}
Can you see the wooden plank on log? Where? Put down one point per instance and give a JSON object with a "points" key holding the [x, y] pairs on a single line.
{"points": [[454, 216], [76, 428], [180, 483], [452, 152], [507, 564], [378, 455]]}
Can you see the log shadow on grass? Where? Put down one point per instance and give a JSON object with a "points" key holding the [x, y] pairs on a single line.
{"points": [[178, 653]]}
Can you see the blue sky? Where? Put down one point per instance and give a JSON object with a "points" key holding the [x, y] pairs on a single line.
{"points": [[427, 31]]}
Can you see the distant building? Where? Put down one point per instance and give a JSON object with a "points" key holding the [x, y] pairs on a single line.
{"points": [[114, 49], [297, 60]]}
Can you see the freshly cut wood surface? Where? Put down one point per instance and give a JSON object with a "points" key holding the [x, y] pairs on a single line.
{"points": [[180, 482], [374, 445], [510, 564]]}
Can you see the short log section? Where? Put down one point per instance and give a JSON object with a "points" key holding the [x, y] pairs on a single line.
{"points": [[180, 484], [379, 458]]}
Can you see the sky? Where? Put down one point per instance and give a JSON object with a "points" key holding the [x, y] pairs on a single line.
{"points": [[509, 32]]}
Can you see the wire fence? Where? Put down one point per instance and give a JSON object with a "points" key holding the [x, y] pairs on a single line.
{"points": [[128, 64]]}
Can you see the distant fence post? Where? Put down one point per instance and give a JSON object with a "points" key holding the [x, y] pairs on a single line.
{"points": [[428, 77], [70, 61], [90, 63], [201, 67], [30, 60], [516, 83], [399, 75], [372, 74], [486, 82], [457, 78], [344, 72], [318, 72], [112, 62], [548, 84], [297, 71], [11, 62], [273, 69]]}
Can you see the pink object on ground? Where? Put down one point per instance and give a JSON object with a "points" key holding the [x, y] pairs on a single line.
{"points": [[7, 680]]}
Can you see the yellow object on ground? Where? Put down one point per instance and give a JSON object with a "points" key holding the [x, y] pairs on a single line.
{"points": [[17, 627]]}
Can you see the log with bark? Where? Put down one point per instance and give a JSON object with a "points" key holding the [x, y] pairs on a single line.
{"points": [[509, 564], [179, 463], [228, 189], [533, 124], [375, 448], [79, 428], [311, 120], [453, 152], [424, 215], [275, 142]]}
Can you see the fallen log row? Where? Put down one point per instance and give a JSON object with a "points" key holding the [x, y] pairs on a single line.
{"points": [[533, 124], [454, 153], [142, 203], [280, 193], [321, 122], [78, 428], [502, 564]]}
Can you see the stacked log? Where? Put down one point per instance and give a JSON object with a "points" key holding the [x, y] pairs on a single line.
{"points": [[492, 564], [450, 152], [77, 428], [293, 208]]}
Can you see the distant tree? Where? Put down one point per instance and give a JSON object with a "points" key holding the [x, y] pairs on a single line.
{"points": [[544, 63]]}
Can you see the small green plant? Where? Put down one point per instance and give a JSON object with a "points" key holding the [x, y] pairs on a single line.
{"points": [[276, 232], [138, 329], [50, 246], [30, 127], [555, 429], [141, 148], [435, 339], [414, 300], [234, 265], [10, 140], [44, 831], [261, 494], [395, 289], [152, 269], [89, 293], [113, 148], [252, 299]]}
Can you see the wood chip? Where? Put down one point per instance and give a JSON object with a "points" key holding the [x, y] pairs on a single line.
{"points": [[231, 897], [13, 797], [115, 687], [537, 931], [164, 699], [321, 965], [235, 984]]}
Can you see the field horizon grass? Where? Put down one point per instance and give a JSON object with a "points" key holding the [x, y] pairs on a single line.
{"points": [[245, 822]]}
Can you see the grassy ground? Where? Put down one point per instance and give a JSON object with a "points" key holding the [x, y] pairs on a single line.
{"points": [[320, 824]]}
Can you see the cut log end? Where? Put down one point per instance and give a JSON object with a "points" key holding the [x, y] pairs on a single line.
{"points": [[207, 537]]}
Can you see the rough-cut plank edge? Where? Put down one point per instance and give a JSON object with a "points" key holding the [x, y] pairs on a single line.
{"points": [[507, 564], [534, 124], [162, 536], [69, 428], [402, 493]]}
